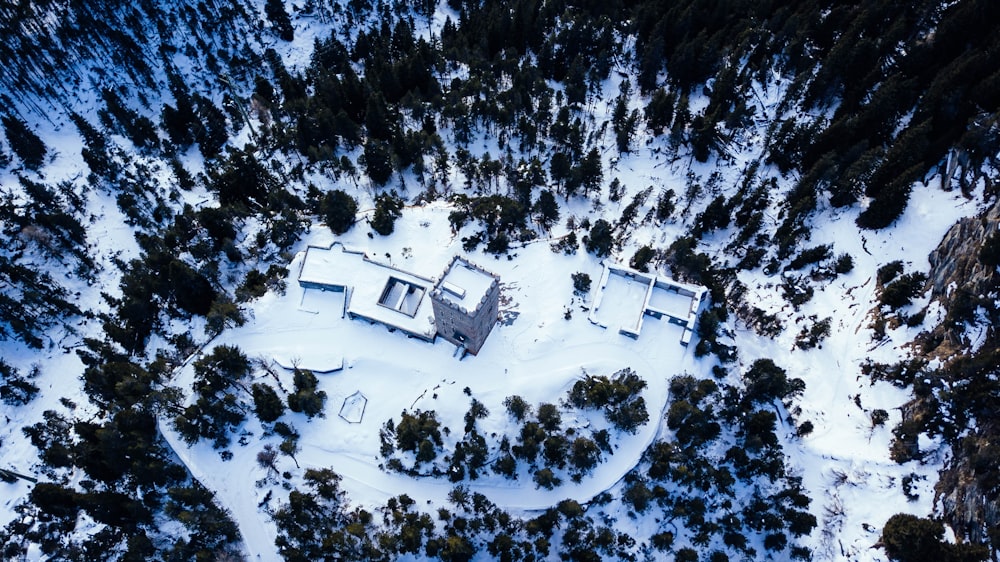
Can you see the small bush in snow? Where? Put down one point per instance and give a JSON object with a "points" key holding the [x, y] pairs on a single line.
{"points": [[581, 283]]}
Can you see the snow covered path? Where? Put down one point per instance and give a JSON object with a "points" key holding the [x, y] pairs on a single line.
{"points": [[538, 356]]}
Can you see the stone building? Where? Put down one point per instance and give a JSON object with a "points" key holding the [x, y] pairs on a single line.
{"points": [[466, 303]]}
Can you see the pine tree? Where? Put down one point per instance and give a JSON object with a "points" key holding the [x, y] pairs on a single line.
{"points": [[388, 208], [338, 210], [267, 404], [378, 161], [24, 142], [278, 16], [546, 209]]}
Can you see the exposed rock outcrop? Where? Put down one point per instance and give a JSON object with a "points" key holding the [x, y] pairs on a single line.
{"points": [[959, 281], [968, 493]]}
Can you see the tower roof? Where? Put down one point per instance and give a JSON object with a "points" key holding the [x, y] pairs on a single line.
{"points": [[464, 284]]}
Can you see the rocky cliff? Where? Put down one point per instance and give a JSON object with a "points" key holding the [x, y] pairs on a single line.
{"points": [[968, 392]]}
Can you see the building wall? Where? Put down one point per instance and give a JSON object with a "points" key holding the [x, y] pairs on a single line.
{"points": [[476, 326]]}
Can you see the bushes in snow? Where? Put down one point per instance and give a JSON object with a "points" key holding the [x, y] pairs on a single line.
{"points": [[618, 396], [901, 291], [15, 389], [418, 433], [581, 283], [217, 407]]}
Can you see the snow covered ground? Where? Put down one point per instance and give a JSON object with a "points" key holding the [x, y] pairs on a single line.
{"points": [[537, 356], [538, 353]]}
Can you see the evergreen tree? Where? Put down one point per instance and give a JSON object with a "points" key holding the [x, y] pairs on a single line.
{"points": [[278, 16], [266, 402], [24, 142], [378, 160], [546, 209], [306, 398], [600, 240], [338, 210], [388, 208]]}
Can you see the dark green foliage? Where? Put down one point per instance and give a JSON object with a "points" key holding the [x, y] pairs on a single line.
{"points": [[884, 210], [692, 425], [419, 433], [810, 337], [546, 209], [477, 411], [95, 150], [306, 398], [36, 293], [115, 382], [879, 417], [55, 500], [640, 260], [584, 455], [499, 244], [581, 283], [662, 541], [600, 239], [378, 161], [545, 478], [707, 328], [216, 408], [989, 253], [665, 205], [125, 121], [810, 256], [211, 131], [15, 389], [686, 264], [276, 14], [901, 291], [266, 403], [766, 381], [315, 524], [618, 396], [844, 264], [660, 111], [908, 538], [757, 430], [502, 218], [388, 208], [24, 142], [517, 407], [191, 291], [211, 527], [888, 272], [549, 417], [242, 179], [338, 210]]}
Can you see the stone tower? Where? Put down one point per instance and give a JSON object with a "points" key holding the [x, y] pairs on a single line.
{"points": [[466, 304]]}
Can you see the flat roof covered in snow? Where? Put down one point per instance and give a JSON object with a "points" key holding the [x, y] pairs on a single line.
{"points": [[377, 291], [465, 285]]}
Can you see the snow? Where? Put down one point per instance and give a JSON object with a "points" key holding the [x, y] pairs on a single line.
{"points": [[670, 302], [375, 291], [845, 460], [538, 356], [537, 353], [622, 302], [464, 285]]}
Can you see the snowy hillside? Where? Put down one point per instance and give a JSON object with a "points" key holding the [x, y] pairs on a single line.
{"points": [[172, 391]]}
